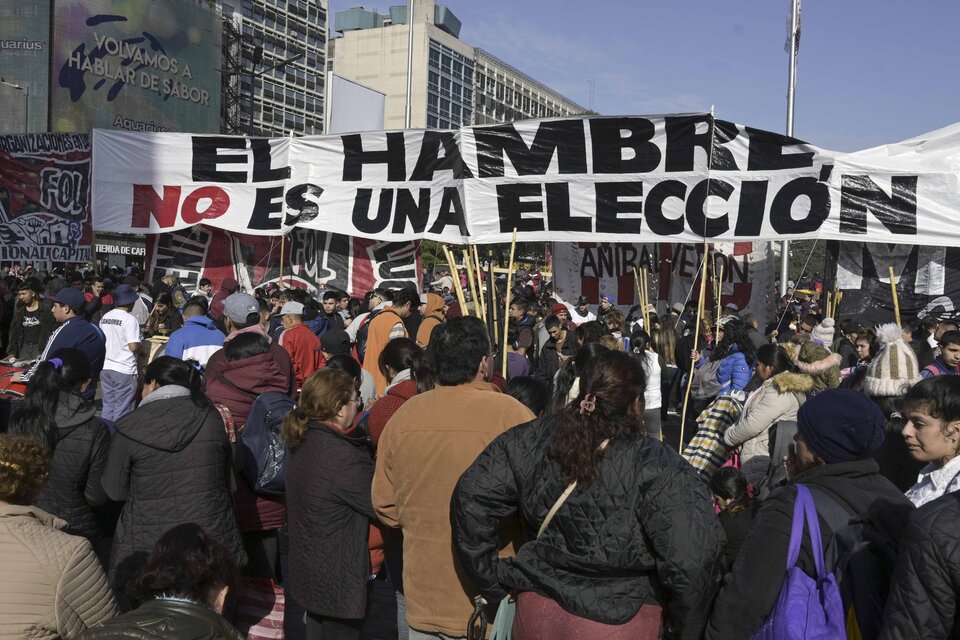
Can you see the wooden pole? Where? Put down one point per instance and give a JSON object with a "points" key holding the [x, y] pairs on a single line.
{"points": [[829, 304], [646, 302], [456, 279], [838, 296], [696, 339], [643, 308], [283, 241], [483, 300], [492, 288], [719, 301], [472, 282], [506, 306], [896, 298]]}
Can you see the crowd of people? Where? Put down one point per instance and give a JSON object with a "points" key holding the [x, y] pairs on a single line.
{"points": [[175, 451]]}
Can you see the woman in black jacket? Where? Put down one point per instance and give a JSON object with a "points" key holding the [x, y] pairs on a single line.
{"points": [[181, 591], [55, 412], [328, 506], [638, 530], [170, 460]]}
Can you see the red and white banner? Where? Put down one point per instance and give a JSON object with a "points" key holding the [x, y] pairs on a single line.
{"points": [[673, 273], [674, 178], [311, 259]]}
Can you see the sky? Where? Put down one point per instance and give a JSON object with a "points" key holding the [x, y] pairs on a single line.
{"points": [[869, 72]]}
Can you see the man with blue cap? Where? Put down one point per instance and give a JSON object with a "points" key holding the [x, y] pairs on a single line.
{"points": [[837, 430], [74, 332]]}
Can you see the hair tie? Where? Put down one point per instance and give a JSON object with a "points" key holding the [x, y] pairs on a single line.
{"points": [[588, 404], [56, 362], [10, 465]]}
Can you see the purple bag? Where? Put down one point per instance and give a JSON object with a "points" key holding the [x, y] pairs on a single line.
{"points": [[807, 608]]}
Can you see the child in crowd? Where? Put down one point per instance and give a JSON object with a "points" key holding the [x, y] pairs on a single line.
{"points": [[947, 362], [932, 432]]}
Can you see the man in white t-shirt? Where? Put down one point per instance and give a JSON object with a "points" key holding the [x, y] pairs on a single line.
{"points": [[119, 375]]}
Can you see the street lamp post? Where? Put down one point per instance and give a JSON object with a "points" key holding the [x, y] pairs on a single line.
{"points": [[26, 102]]}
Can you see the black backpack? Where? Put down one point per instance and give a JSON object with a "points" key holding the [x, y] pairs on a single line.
{"points": [[364, 331], [265, 459], [862, 557]]}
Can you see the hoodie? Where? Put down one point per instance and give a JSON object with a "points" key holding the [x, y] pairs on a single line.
{"points": [[78, 461], [432, 318], [170, 461]]}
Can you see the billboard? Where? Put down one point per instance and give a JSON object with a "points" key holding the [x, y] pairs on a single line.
{"points": [[139, 65], [24, 62]]}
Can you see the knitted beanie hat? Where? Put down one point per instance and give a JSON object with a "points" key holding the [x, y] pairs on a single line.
{"points": [[841, 425], [823, 333], [894, 370]]}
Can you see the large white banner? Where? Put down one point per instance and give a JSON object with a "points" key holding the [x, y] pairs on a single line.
{"points": [[680, 178]]}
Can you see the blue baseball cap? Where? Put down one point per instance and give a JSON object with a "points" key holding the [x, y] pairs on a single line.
{"points": [[70, 297]]}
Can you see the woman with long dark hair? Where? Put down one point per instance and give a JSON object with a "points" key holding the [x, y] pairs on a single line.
{"points": [[607, 500], [171, 462], [731, 492], [566, 385], [55, 412], [164, 319], [782, 392]]}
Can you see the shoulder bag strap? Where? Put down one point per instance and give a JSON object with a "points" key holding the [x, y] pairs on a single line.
{"points": [[222, 378], [563, 497]]}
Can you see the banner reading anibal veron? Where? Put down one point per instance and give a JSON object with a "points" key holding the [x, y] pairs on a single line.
{"points": [[679, 178]]}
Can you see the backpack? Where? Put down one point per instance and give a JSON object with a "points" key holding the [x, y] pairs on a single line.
{"points": [[265, 459], [863, 557], [364, 332], [706, 382], [265, 465]]}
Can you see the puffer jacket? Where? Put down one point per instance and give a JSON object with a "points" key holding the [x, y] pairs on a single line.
{"points": [[734, 371], [752, 587], [923, 600], [328, 518], [53, 585], [624, 524], [77, 467], [170, 461], [778, 398], [166, 619]]}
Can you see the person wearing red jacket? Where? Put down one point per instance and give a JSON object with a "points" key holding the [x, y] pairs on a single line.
{"points": [[300, 342]]}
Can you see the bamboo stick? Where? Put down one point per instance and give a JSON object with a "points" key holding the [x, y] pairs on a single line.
{"points": [[283, 241], [896, 297], [492, 288], [719, 301], [696, 339], [456, 278], [506, 306], [468, 266], [483, 298]]}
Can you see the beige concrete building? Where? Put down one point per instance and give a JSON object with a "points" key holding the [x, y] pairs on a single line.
{"points": [[454, 84]]}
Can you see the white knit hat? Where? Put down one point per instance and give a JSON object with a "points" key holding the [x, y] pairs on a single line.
{"points": [[823, 333], [895, 369]]}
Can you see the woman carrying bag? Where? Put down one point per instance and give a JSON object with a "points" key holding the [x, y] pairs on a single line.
{"points": [[607, 500]]}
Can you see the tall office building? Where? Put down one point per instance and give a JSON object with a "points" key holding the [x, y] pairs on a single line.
{"points": [[259, 96], [454, 84]]}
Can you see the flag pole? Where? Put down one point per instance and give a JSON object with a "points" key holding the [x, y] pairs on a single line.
{"points": [[791, 94]]}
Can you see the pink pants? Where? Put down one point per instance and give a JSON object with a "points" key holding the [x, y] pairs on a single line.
{"points": [[540, 618]]}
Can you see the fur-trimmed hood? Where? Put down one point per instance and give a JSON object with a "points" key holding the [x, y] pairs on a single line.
{"points": [[790, 382], [819, 366]]}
